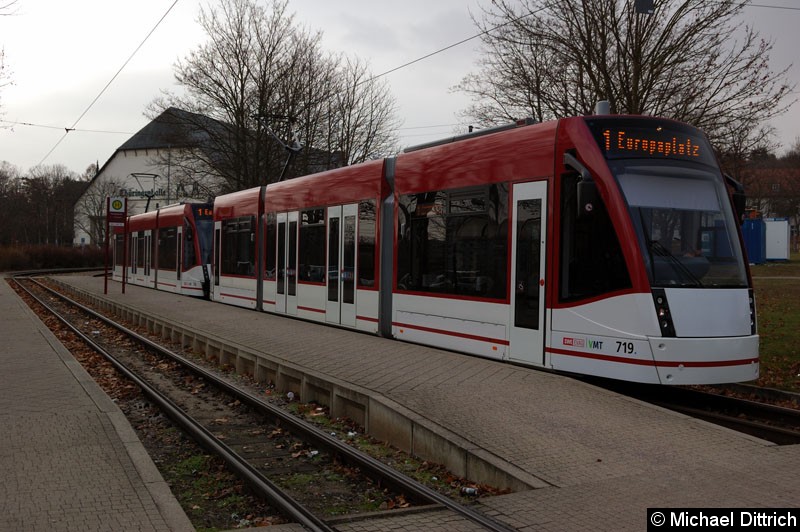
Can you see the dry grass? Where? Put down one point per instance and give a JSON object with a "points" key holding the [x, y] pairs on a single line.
{"points": [[777, 290]]}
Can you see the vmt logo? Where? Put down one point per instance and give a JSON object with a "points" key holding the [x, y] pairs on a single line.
{"points": [[595, 344]]}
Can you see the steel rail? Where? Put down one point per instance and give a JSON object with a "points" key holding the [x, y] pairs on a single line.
{"points": [[372, 466], [284, 503]]}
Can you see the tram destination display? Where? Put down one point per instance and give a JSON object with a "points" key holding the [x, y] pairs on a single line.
{"points": [[656, 139]]}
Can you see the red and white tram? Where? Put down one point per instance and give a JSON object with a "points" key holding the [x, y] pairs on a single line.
{"points": [[601, 245], [168, 249]]}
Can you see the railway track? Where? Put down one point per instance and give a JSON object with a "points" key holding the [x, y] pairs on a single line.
{"points": [[256, 439], [768, 414]]}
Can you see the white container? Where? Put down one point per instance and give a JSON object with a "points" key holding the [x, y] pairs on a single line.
{"points": [[777, 238]]}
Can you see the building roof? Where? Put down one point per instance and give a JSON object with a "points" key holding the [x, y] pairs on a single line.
{"points": [[172, 128]]}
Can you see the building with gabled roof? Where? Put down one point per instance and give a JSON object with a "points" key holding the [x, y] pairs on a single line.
{"points": [[169, 161], [142, 170]]}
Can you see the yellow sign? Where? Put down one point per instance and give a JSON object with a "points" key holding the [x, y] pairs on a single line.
{"points": [[117, 205]]}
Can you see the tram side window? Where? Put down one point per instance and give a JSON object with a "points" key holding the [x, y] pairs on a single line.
{"points": [[591, 257], [238, 246], [269, 241], [366, 243], [312, 246], [454, 242], [168, 249]]}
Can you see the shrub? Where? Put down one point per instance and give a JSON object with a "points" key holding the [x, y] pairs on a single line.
{"points": [[14, 258]]}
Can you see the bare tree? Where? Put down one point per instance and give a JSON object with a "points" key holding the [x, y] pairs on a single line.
{"points": [[260, 84], [361, 118], [90, 209], [793, 153], [691, 60], [51, 191], [10, 195]]}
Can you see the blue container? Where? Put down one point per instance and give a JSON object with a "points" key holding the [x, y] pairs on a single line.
{"points": [[754, 233]]}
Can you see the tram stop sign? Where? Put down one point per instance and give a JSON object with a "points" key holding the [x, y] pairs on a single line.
{"points": [[117, 211]]}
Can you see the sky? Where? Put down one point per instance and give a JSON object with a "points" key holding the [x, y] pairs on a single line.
{"points": [[63, 54]]}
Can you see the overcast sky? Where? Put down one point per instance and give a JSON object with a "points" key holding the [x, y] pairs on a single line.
{"points": [[62, 54]]}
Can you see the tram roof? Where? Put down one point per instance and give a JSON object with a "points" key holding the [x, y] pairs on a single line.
{"points": [[341, 185], [510, 155], [236, 204]]}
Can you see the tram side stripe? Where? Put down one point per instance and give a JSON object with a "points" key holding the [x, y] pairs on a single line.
{"points": [[451, 333], [659, 363]]}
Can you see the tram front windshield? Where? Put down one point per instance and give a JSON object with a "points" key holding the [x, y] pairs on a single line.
{"points": [[205, 232], [684, 222]]}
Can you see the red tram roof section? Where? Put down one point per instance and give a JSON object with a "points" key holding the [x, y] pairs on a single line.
{"points": [[237, 204], [170, 216], [173, 215], [143, 221], [518, 154], [333, 187]]}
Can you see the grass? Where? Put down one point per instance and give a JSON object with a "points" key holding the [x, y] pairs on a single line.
{"points": [[202, 485], [777, 291]]}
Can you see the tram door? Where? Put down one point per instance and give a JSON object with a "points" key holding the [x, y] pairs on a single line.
{"points": [[286, 292], [179, 257], [148, 250], [134, 254], [341, 301], [528, 244], [140, 257]]}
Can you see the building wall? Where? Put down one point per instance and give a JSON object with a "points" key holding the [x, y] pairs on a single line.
{"points": [[117, 178]]}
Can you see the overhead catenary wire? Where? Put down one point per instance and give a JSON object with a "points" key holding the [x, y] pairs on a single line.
{"points": [[443, 49], [67, 130], [46, 126]]}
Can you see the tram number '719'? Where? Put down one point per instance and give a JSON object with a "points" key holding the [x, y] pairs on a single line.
{"points": [[625, 347]]}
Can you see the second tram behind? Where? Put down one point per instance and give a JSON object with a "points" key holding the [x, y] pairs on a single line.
{"points": [[168, 249]]}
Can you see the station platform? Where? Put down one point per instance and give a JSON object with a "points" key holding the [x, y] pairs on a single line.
{"points": [[69, 458], [577, 457]]}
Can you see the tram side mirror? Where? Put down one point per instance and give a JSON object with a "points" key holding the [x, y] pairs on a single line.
{"points": [[738, 196], [739, 201], [588, 199]]}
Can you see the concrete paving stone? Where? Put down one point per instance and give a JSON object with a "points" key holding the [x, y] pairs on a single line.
{"points": [[65, 466], [605, 458]]}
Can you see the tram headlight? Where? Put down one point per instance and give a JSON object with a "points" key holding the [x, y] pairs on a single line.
{"points": [[662, 312]]}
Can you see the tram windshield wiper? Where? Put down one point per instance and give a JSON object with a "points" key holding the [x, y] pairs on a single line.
{"points": [[657, 249]]}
